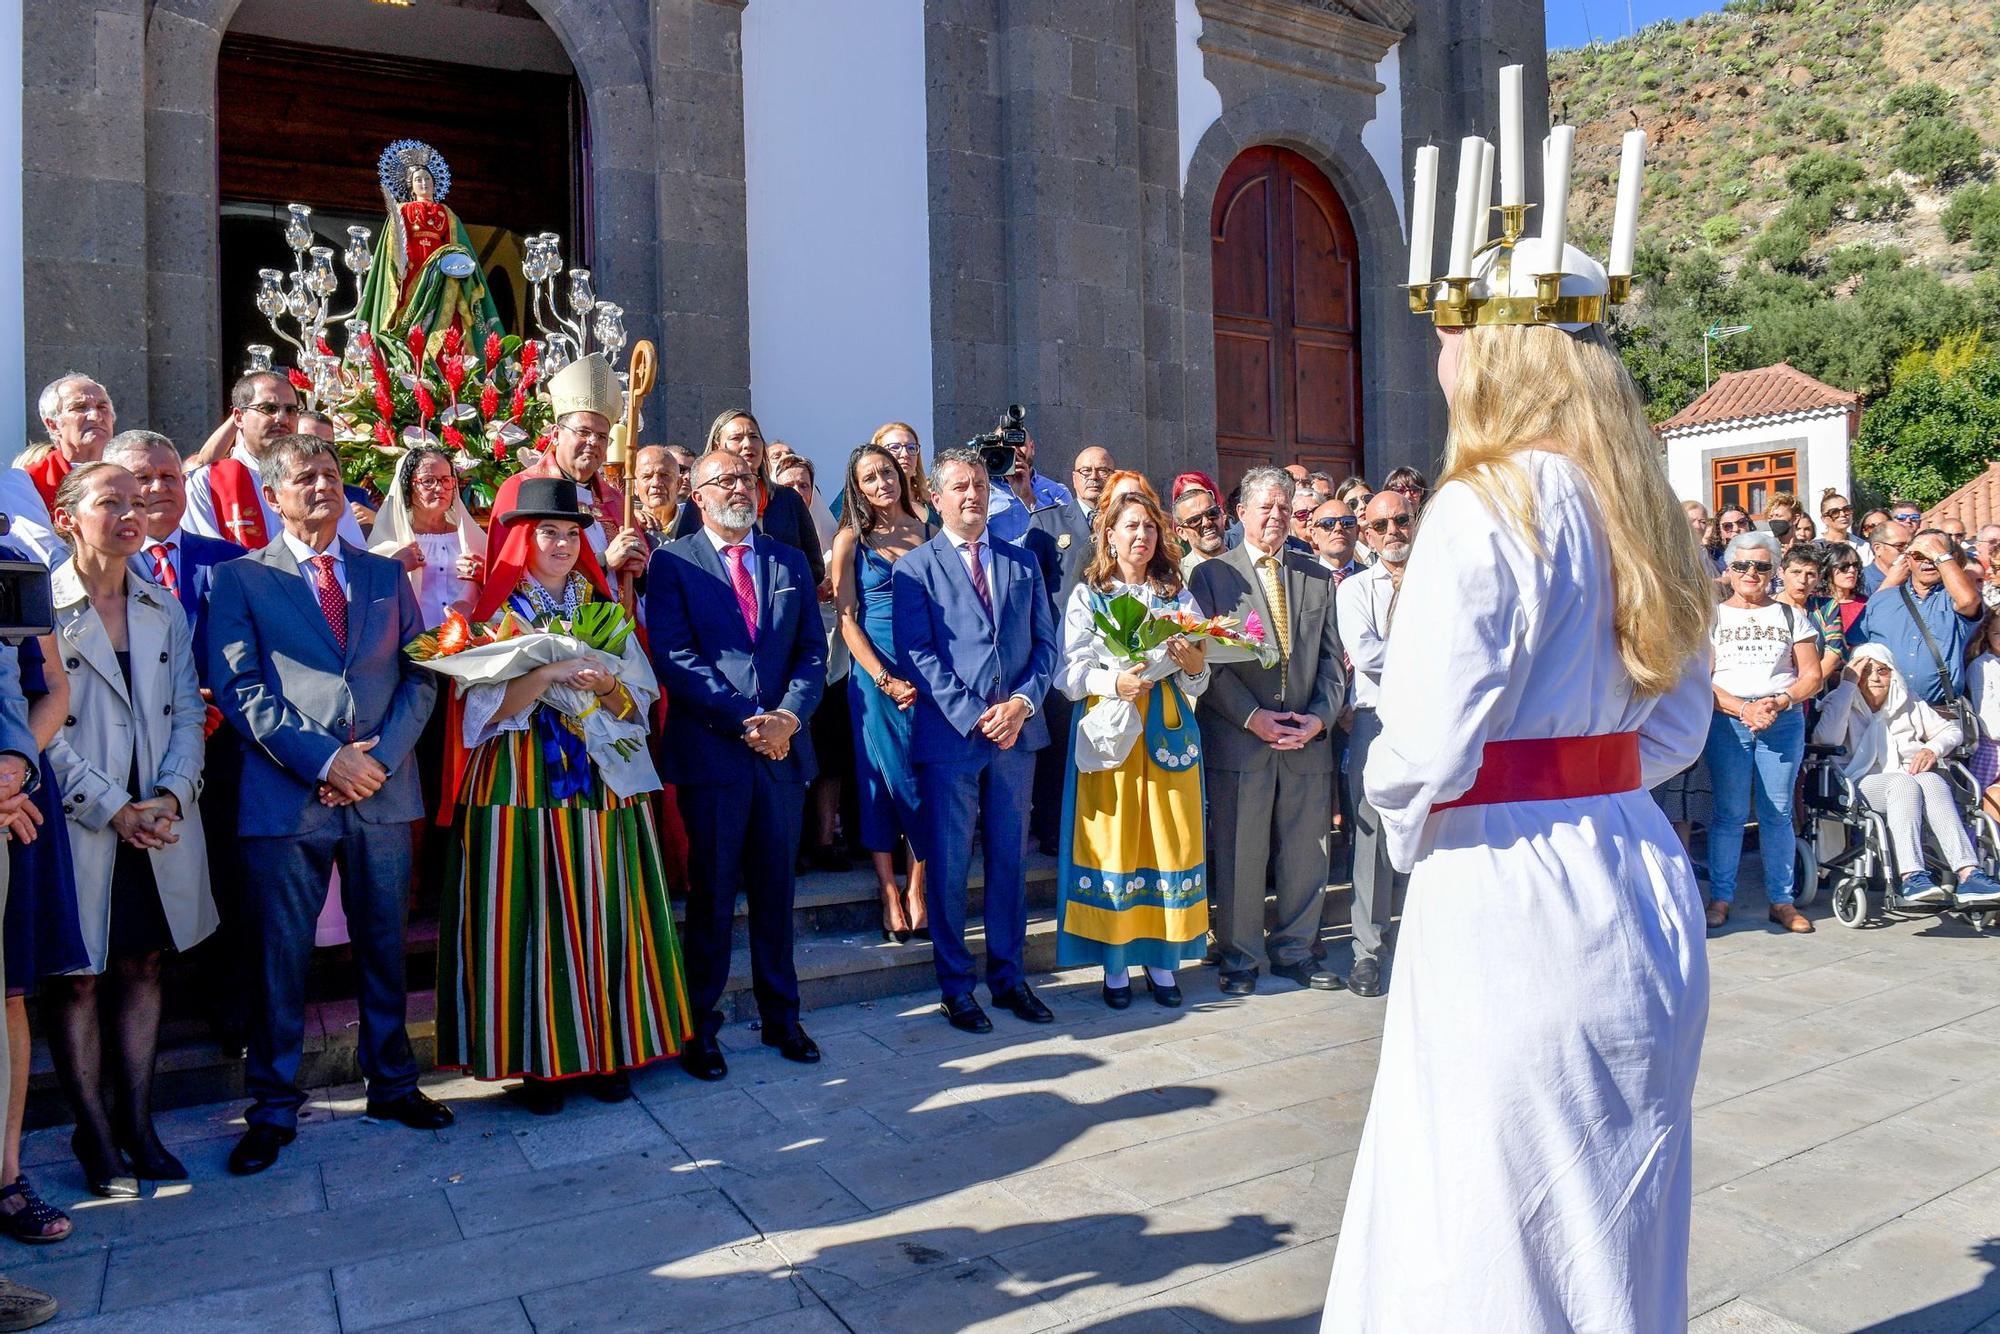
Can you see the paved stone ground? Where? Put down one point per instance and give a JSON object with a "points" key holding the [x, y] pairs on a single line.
{"points": [[1150, 1170]]}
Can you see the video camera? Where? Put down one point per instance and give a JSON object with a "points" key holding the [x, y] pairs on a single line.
{"points": [[27, 604], [999, 447]]}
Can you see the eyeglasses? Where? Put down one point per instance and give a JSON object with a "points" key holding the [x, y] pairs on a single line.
{"points": [[1734, 526], [1333, 521], [1884, 544], [1906, 516], [1750, 566], [1846, 567], [589, 437], [1837, 512], [730, 481], [1410, 489], [273, 409], [1302, 516], [1212, 515], [1103, 472], [433, 483], [1398, 520]]}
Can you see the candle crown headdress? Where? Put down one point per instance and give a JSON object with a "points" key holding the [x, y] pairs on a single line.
{"points": [[1515, 278]]}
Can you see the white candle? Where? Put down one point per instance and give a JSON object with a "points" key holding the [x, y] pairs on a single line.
{"points": [[1625, 224], [1513, 168], [1471, 152], [1423, 216], [1555, 226], [1484, 231]]}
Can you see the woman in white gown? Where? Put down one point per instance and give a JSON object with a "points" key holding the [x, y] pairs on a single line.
{"points": [[1526, 1163]]}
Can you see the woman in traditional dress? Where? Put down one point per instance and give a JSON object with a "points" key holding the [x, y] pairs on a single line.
{"points": [[559, 959], [880, 529], [129, 755], [1528, 1155], [1133, 883], [424, 524]]}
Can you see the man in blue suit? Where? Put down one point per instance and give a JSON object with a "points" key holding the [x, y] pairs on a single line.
{"points": [[306, 639], [736, 637], [976, 635]]}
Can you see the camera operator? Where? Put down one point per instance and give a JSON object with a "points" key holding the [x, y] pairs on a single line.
{"points": [[1017, 490]]}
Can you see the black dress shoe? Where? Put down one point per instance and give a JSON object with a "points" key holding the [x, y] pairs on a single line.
{"points": [[1365, 978], [702, 1058], [614, 1087], [413, 1109], [1240, 984], [965, 1015], [1168, 995], [793, 1044], [258, 1148], [1308, 974], [1118, 998], [543, 1097], [1020, 1002]]}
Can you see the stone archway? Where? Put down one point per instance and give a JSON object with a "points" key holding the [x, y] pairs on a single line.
{"points": [[182, 42], [1402, 421]]}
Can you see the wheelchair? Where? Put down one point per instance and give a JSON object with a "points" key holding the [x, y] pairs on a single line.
{"points": [[1847, 848]]}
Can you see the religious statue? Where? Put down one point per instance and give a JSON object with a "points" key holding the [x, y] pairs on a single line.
{"points": [[425, 274]]}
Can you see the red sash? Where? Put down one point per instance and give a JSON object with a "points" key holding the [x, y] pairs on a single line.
{"points": [[48, 473], [1557, 768], [232, 490]]}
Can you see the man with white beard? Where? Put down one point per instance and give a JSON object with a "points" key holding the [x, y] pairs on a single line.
{"points": [[1389, 526]]}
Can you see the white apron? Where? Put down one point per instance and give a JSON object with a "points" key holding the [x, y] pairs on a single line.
{"points": [[1527, 1159]]}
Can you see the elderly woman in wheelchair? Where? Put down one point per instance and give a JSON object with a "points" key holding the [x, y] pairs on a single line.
{"points": [[1894, 744]]}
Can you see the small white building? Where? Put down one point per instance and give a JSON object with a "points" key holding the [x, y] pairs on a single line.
{"points": [[1757, 434]]}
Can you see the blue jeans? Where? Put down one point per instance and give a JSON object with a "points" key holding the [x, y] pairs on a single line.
{"points": [[1737, 756]]}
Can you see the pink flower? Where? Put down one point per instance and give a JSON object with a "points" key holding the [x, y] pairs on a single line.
{"points": [[1253, 627]]}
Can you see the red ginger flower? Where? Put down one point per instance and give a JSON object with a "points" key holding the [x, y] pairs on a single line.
{"points": [[454, 341], [300, 380], [417, 348], [385, 407], [383, 435], [492, 352], [426, 405], [452, 364], [453, 438], [489, 401]]}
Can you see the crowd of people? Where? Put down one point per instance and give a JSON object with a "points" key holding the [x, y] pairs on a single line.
{"points": [[1876, 639], [227, 687]]}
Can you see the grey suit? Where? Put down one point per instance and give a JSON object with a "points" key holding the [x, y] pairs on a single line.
{"points": [[1263, 801], [296, 696]]}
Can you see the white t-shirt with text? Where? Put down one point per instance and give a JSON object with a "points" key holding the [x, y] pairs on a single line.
{"points": [[1753, 647]]}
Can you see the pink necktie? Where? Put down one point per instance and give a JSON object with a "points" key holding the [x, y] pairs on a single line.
{"points": [[979, 585], [163, 565], [332, 602], [746, 592]]}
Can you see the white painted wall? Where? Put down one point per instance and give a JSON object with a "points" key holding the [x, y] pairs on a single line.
{"points": [[839, 232], [1823, 457], [1200, 100], [1383, 136], [14, 414]]}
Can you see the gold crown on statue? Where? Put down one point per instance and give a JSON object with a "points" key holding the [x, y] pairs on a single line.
{"points": [[1515, 278]]}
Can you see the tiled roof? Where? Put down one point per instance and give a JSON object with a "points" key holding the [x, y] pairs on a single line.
{"points": [[1975, 504], [1769, 391]]}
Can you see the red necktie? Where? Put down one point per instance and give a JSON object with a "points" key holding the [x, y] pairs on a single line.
{"points": [[979, 584], [163, 566], [746, 592], [332, 602]]}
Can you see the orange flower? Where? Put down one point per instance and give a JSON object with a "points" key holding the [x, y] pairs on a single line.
{"points": [[454, 636]]}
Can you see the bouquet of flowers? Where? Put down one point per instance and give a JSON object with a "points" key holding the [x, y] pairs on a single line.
{"points": [[1135, 636], [510, 646], [477, 402]]}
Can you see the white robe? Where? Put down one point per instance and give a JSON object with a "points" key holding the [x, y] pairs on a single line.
{"points": [[1527, 1159]]}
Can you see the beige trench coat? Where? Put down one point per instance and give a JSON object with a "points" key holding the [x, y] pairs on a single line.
{"points": [[93, 753]]}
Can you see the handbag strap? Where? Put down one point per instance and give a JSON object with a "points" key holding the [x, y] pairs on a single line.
{"points": [[1944, 673]]}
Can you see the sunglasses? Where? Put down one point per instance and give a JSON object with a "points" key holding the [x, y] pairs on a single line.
{"points": [[1334, 521], [1734, 525], [1203, 519], [1907, 516], [1383, 525], [1407, 489], [1838, 512], [1302, 516], [1750, 566]]}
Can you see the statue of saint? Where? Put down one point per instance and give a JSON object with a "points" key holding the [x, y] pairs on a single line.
{"points": [[425, 273]]}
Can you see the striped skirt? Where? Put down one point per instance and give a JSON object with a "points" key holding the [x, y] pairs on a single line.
{"points": [[558, 955]]}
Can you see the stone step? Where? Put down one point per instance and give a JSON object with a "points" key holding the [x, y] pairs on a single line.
{"points": [[835, 966]]}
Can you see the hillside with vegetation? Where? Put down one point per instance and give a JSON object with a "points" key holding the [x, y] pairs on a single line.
{"points": [[1823, 171]]}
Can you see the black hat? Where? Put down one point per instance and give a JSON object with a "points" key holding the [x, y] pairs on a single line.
{"points": [[547, 498]]}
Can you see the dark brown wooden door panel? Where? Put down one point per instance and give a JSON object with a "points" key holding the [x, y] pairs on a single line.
{"points": [[1287, 318]]}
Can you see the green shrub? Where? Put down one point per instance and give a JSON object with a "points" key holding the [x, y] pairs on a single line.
{"points": [[1938, 149], [1880, 201], [1830, 128], [1918, 101], [1721, 230]]}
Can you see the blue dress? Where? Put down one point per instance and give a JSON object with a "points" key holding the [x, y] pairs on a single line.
{"points": [[42, 933], [887, 787]]}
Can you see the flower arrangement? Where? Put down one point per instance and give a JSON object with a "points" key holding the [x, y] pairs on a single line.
{"points": [[477, 403], [1135, 634]]}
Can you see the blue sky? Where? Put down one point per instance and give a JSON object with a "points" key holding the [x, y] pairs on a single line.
{"points": [[1574, 22]]}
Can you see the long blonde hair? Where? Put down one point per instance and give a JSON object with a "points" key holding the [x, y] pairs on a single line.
{"points": [[1537, 387]]}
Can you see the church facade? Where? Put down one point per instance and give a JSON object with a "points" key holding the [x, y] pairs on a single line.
{"points": [[1174, 228]]}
